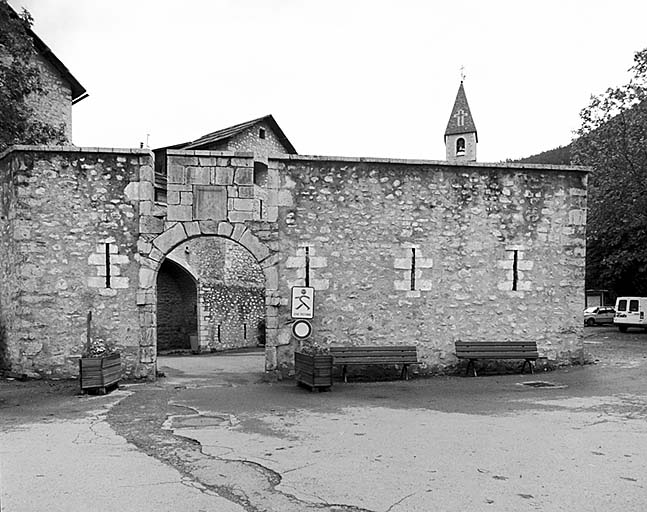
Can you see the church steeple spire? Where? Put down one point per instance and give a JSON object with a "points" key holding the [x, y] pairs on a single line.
{"points": [[460, 135]]}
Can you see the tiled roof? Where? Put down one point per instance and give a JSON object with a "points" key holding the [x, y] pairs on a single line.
{"points": [[226, 133], [460, 120], [78, 91]]}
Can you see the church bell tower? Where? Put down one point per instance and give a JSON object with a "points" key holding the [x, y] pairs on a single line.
{"points": [[460, 135]]}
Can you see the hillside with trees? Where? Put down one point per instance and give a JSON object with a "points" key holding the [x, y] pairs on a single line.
{"points": [[558, 156], [612, 140]]}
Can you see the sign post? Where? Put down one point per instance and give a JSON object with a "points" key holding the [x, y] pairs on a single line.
{"points": [[301, 329]]}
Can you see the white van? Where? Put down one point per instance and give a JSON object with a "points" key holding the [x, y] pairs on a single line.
{"points": [[630, 312]]}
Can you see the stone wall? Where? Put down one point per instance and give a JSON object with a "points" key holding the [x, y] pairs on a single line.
{"points": [[429, 253], [71, 234], [398, 251], [9, 289]]}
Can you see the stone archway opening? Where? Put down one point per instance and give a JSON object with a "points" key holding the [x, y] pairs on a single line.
{"points": [[252, 325], [229, 308]]}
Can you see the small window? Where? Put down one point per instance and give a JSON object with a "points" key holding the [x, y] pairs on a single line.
{"points": [[261, 133], [160, 195], [622, 305], [633, 305], [260, 174], [460, 146]]}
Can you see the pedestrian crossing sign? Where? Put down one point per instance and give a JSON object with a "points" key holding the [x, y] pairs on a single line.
{"points": [[303, 302]]}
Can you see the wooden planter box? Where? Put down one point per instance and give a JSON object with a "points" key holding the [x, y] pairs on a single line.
{"points": [[100, 372], [314, 371]]}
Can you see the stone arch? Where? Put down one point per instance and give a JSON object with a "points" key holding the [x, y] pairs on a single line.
{"points": [[153, 252]]}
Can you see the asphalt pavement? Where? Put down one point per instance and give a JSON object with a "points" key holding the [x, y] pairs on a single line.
{"points": [[215, 434]]}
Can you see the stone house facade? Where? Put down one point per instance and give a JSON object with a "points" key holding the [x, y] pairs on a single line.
{"points": [[60, 89]]}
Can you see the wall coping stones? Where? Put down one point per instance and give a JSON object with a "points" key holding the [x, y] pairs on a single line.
{"points": [[438, 163], [297, 158], [199, 152], [73, 149]]}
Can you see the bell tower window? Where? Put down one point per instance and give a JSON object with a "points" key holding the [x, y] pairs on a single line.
{"points": [[460, 146]]}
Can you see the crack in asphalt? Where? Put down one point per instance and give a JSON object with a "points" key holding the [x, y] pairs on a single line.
{"points": [[140, 419]]}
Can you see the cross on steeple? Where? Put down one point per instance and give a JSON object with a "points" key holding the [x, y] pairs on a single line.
{"points": [[460, 117], [462, 73]]}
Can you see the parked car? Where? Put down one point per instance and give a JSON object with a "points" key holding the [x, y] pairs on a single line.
{"points": [[631, 313], [596, 315]]}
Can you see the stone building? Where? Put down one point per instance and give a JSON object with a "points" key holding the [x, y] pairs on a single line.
{"points": [[195, 240], [60, 89]]}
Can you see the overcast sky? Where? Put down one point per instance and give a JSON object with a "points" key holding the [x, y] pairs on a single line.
{"points": [[373, 78]]}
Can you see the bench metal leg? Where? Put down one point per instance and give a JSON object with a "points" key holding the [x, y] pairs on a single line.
{"points": [[343, 373], [405, 372], [467, 370], [529, 362]]}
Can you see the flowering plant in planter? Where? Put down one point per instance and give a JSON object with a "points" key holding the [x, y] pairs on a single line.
{"points": [[313, 348], [97, 347]]}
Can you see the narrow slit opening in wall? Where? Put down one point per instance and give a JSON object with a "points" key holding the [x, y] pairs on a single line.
{"points": [[515, 270], [413, 269], [260, 209], [219, 333], [107, 265], [307, 266], [244, 331]]}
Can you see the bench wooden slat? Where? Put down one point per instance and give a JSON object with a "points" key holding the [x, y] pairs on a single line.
{"points": [[498, 355], [373, 360], [486, 343], [373, 350], [378, 354]]}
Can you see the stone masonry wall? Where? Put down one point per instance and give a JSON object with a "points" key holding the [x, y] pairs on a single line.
{"points": [[429, 253], [398, 251], [8, 278], [74, 250]]}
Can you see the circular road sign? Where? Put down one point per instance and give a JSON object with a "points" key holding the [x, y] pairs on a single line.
{"points": [[301, 329]]}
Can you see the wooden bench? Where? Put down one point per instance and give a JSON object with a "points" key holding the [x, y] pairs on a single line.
{"points": [[473, 350], [393, 354]]}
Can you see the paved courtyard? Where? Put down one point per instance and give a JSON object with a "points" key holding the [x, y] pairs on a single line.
{"points": [[215, 435]]}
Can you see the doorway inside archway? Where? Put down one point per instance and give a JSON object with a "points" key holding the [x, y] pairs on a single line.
{"points": [[177, 307]]}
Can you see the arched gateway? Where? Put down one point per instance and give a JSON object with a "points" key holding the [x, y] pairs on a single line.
{"points": [[180, 233], [208, 194]]}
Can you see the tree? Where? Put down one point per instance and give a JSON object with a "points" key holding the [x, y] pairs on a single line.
{"points": [[613, 141], [19, 79]]}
